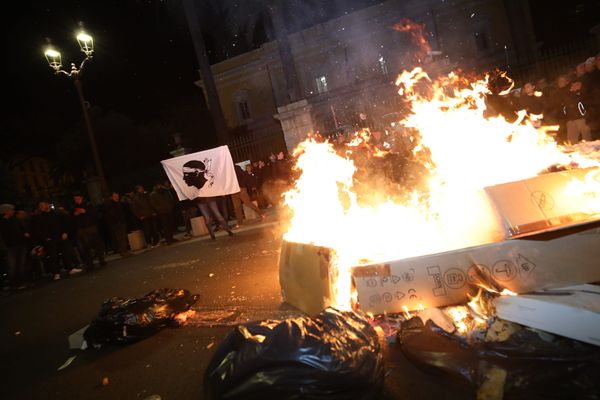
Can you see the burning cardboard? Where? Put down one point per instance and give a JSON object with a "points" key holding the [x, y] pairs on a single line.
{"points": [[550, 242], [304, 275]]}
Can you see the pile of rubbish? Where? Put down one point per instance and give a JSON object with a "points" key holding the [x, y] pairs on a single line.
{"points": [[340, 355], [477, 345], [123, 320], [334, 355]]}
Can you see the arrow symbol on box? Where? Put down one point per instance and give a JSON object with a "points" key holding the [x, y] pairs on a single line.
{"points": [[525, 266], [399, 295]]}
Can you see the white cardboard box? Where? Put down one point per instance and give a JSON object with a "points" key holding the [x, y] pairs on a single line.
{"points": [[549, 260], [572, 311]]}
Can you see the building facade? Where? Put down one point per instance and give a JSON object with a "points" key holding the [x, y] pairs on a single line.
{"points": [[346, 67]]}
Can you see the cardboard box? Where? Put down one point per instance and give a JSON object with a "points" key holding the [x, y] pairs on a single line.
{"points": [[546, 202], [304, 276], [552, 240], [572, 311], [548, 260]]}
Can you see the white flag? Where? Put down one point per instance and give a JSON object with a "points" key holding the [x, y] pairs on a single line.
{"points": [[203, 174]]}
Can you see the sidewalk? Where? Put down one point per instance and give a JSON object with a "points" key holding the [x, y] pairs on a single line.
{"points": [[272, 218]]}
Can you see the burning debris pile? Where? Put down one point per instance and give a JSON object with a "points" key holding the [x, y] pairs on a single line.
{"points": [[500, 207]]}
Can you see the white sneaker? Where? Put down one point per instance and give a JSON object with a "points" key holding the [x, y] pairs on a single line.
{"points": [[74, 271], [56, 277]]}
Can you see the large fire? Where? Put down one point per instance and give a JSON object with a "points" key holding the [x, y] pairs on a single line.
{"points": [[463, 152]]}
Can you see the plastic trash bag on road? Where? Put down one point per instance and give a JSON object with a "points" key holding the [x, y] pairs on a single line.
{"points": [[335, 355], [122, 320], [525, 364]]}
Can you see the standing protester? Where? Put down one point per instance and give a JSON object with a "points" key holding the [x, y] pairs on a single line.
{"points": [[49, 230], [251, 183], [529, 101], [262, 175], [189, 210], [24, 220], [163, 203], [115, 218], [242, 196], [558, 99], [210, 211], [591, 95], [575, 111], [85, 221], [14, 238], [142, 209]]}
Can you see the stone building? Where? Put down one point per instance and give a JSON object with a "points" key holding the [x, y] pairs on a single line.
{"points": [[347, 66]]}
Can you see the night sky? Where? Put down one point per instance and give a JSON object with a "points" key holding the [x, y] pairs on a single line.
{"points": [[144, 64]]}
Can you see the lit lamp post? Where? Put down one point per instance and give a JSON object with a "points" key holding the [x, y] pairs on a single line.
{"points": [[86, 44]]}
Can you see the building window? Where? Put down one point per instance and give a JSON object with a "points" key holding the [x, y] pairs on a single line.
{"points": [[243, 109], [481, 41], [383, 66], [321, 84], [242, 105]]}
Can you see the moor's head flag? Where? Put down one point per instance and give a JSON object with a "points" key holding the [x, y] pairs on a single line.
{"points": [[203, 174]]}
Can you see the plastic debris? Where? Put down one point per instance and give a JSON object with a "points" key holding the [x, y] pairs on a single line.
{"points": [[123, 320], [66, 363], [511, 359], [335, 355]]}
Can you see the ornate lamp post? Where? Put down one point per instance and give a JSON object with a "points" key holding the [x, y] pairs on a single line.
{"points": [[86, 45]]}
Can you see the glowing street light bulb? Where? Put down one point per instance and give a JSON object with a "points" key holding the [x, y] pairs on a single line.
{"points": [[86, 43], [54, 59]]}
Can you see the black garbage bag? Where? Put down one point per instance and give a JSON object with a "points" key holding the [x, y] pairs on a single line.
{"points": [[535, 367], [335, 355], [122, 320]]}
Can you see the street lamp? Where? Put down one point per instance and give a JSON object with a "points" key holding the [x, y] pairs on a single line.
{"points": [[86, 45]]}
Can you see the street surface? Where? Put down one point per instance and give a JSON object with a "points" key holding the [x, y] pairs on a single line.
{"points": [[237, 280]]}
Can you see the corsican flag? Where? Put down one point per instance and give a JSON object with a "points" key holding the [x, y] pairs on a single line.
{"points": [[203, 174]]}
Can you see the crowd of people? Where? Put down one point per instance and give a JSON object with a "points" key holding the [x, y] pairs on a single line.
{"points": [[57, 240], [571, 101]]}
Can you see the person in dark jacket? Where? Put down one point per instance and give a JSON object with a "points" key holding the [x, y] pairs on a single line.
{"points": [[142, 209], [50, 230], [531, 100], [14, 238], [115, 217], [575, 113], [163, 203], [242, 197], [85, 222]]}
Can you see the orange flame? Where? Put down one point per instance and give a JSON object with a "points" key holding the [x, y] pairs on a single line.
{"points": [[417, 36], [181, 318], [463, 151]]}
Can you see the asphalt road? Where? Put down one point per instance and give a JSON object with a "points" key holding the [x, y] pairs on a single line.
{"points": [[237, 280]]}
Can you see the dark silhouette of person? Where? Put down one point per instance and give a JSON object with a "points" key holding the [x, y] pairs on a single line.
{"points": [[194, 173]]}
